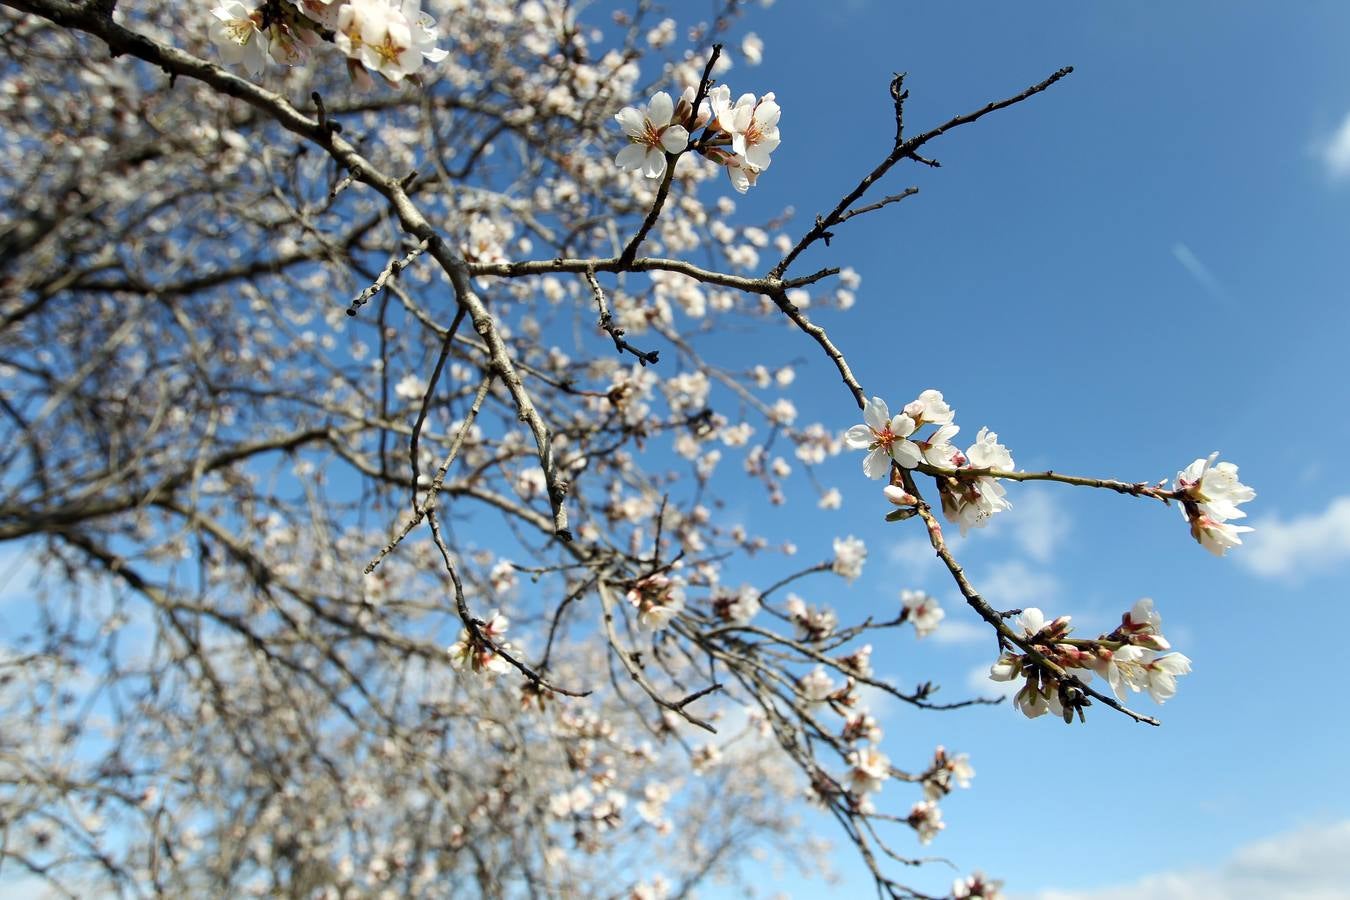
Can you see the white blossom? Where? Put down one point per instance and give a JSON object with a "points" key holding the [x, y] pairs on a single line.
{"points": [[849, 555], [930, 409], [1216, 535], [816, 686], [1215, 488], [378, 36], [922, 611], [651, 135], [976, 886], [657, 598], [926, 818], [885, 437], [237, 33], [754, 129], [869, 768]]}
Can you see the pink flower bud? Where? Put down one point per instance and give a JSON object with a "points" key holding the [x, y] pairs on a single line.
{"points": [[1150, 641], [899, 496]]}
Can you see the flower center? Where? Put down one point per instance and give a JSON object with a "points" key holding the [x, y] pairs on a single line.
{"points": [[388, 51], [651, 135]]}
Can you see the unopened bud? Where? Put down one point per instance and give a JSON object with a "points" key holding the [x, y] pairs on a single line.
{"points": [[1150, 641], [899, 496]]}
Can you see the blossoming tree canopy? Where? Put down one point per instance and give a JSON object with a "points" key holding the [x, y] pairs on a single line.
{"points": [[343, 339]]}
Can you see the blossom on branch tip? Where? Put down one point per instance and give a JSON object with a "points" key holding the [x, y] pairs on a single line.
{"points": [[391, 40], [938, 450], [930, 409], [754, 129], [922, 611], [657, 598], [1162, 672], [1144, 670], [1210, 497], [478, 656], [816, 686], [1215, 535], [1142, 626], [738, 608], [325, 12], [970, 501], [743, 175], [651, 134], [926, 819], [868, 770], [976, 886], [885, 437], [899, 496], [1215, 488], [945, 771], [849, 555], [812, 624]]}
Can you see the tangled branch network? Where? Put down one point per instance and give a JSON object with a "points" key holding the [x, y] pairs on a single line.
{"points": [[367, 439]]}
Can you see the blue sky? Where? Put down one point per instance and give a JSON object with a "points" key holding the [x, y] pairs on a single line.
{"points": [[1139, 267]]}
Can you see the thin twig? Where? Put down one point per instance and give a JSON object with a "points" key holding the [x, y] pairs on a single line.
{"points": [[396, 264], [646, 357]]}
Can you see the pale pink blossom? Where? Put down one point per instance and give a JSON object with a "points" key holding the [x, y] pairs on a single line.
{"points": [[885, 437], [651, 136], [926, 818], [869, 768], [238, 35], [922, 611]]}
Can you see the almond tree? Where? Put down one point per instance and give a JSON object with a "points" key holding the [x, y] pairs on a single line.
{"points": [[360, 426]]}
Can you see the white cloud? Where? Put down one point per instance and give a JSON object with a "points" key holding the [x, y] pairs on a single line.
{"points": [[1200, 273], [1308, 864], [1335, 151], [1014, 583], [1301, 545], [1039, 523], [980, 684], [912, 553], [959, 632]]}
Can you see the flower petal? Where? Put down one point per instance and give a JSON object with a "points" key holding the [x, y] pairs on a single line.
{"points": [[859, 437], [633, 123], [906, 453], [630, 158], [660, 109], [654, 164], [675, 139], [876, 414], [877, 464]]}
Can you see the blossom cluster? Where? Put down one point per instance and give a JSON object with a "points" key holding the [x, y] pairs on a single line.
{"points": [[389, 37], [739, 135], [969, 498], [1130, 657], [479, 655], [657, 598], [1210, 494]]}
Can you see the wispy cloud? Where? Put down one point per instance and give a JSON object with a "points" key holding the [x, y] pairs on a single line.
{"points": [[1039, 523], [1308, 864], [958, 632], [1201, 273], [914, 554], [1014, 583], [1335, 151], [980, 684], [1301, 545]]}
